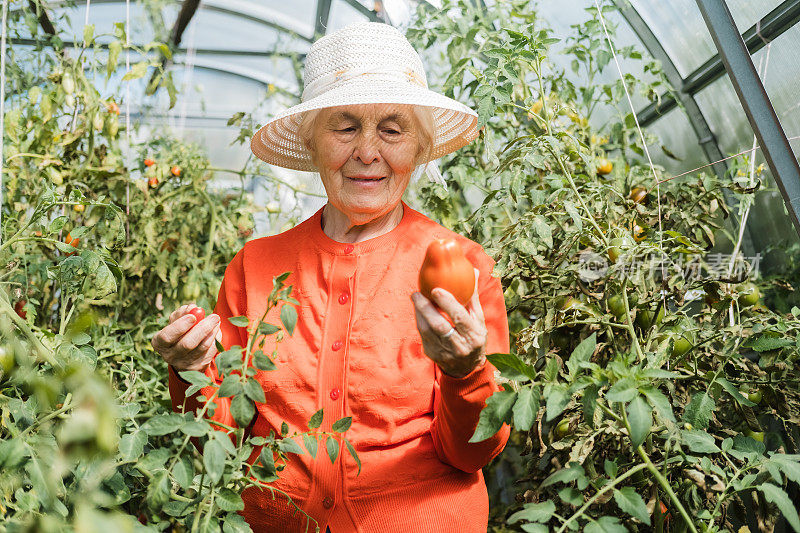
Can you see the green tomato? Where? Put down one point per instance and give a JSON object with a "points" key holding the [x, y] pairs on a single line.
{"points": [[190, 291], [562, 429], [681, 346], [749, 295], [755, 435], [616, 304], [6, 360], [646, 318], [618, 246], [755, 396]]}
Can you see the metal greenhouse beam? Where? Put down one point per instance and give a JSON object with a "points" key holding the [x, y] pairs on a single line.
{"points": [[757, 106], [777, 22], [321, 20]]}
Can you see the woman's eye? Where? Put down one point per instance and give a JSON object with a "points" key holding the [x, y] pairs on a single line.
{"points": [[391, 131], [347, 130]]}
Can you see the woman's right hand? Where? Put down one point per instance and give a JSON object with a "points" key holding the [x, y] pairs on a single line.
{"points": [[187, 346]]}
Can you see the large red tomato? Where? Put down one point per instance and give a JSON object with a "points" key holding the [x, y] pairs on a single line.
{"points": [[446, 267]]}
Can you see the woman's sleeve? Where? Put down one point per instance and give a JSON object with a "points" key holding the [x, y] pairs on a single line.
{"points": [[458, 402], [230, 303]]}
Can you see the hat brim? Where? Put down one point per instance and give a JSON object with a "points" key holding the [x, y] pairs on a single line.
{"points": [[277, 142]]}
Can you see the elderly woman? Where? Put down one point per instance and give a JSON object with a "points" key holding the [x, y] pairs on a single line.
{"points": [[366, 345]]}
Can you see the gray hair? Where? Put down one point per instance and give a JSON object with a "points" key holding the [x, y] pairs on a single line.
{"points": [[425, 130]]}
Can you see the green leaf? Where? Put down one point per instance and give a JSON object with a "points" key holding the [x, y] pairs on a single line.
{"points": [[353, 454], [162, 424], [239, 321], [228, 500], [622, 391], [699, 441], [535, 528], [332, 446], [699, 410], [565, 475], [131, 445], [630, 502], [788, 464], [534, 512], [310, 444], [765, 344], [267, 329], [498, 410], [242, 410], [582, 354], [196, 427], [731, 389], [137, 71], [571, 496], [316, 420], [589, 401], [288, 317], [659, 402], [605, 524], [558, 398], [640, 418], [777, 496], [525, 408], [262, 362], [511, 366], [288, 445], [254, 390], [183, 472], [342, 425], [214, 459], [268, 460], [158, 490], [573, 213], [234, 523]]}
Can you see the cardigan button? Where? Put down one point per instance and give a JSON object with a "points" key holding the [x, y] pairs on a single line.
{"points": [[335, 394], [349, 249], [327, 502], [337, 345], [343, 298]]}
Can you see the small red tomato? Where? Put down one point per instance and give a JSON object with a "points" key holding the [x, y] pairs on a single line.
{"points": [[149, 162], [18, 308], [153, 182], [445, 266], [175, 171], [198, 313], [72, 242]]}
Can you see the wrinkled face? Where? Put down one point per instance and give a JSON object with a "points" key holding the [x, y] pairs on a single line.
{"points": [[365, 155]]}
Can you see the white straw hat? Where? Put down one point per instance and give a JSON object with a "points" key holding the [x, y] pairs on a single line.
{"points": [[367, 62]]}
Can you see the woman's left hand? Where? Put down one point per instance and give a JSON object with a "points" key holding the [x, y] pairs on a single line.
{"points": [[457, 349]]}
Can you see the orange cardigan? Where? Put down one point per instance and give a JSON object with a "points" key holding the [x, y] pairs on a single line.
{"points": [[356, 352]]}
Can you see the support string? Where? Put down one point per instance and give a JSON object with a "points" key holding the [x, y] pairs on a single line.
{"points": [[2, 108]]}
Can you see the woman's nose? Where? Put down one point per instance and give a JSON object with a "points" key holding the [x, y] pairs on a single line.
{"points": [[366, 149]]}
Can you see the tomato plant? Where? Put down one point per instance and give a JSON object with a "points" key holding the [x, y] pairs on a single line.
{"points": [[652, 396]]}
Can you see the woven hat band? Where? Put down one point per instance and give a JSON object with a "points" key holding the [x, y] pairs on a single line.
{"points": [[335, 79]]}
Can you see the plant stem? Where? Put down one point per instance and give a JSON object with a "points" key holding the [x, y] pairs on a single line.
{"points": [[599, 493]]}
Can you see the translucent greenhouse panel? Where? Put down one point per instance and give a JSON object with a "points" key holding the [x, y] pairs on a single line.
{"points": [[296, 16], [69, 21], [574, 12], [680, 28], [341, 15], [768, 224], [213, 29], [676, 136]]}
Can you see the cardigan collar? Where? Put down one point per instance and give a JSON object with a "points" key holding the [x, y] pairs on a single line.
{"points": [[322, 241]]}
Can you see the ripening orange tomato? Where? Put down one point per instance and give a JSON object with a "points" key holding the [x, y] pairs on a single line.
{"points": [[175, 171], [149, 162], [604, 167], [153, 181], [638, 195], [112, 108], [446, 267]]}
